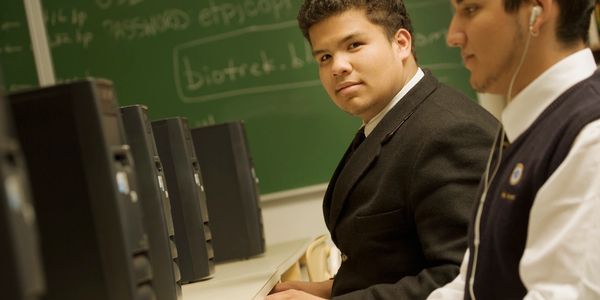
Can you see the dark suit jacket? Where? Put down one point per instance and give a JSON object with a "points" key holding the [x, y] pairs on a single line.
{"points": [[399, 207]]}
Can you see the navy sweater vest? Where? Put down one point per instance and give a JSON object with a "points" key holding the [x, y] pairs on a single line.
{"points": [[526, 165]]}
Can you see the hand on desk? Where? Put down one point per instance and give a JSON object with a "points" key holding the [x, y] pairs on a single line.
{"points": [[301, 290]]}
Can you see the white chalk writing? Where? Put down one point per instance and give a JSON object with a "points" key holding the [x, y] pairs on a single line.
{"points": [[209, 68], [60, 16], [423, 40], [225, 13], [10, 49], [66, 27], [142, 27], [197, 79], [106, 4], [9, 25], [82, 38]]}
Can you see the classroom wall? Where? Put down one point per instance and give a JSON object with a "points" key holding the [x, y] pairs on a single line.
{"points": [[293, 214]]}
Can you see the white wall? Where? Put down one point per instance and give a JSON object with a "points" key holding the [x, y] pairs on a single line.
{"points": [[293, 214]]}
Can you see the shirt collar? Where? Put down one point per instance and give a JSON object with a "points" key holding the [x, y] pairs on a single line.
{"points": [[527, 106], [370, 126]]}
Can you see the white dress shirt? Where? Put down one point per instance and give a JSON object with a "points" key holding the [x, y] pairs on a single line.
{"points": [[561, 259], [405, 89]]}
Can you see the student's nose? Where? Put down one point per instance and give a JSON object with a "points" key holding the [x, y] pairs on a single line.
{"points": [[341, 66], [456, 36]]}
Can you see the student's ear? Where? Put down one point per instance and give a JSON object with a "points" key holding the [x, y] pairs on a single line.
{"points": [[403, 42]]}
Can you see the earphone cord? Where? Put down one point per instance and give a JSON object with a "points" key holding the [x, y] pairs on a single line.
{"points": [[514, 77], [488, 179]]}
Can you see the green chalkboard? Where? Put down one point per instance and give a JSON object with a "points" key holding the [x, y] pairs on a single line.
{"points": [[216, 61]]}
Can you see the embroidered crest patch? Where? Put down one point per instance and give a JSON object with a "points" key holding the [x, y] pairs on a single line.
{"points": [[517, 174]]}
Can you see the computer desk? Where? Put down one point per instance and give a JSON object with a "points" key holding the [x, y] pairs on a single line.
{"points": [[248, 279]]}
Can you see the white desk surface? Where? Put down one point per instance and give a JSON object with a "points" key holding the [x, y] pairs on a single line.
{"points": [[248, 279]]}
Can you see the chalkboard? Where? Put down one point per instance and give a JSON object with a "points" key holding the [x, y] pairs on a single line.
{"points": [[216, 61]]}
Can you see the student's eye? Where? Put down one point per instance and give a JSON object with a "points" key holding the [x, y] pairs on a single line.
{"points": [[354, 45], [324, 58], [470, 9]]}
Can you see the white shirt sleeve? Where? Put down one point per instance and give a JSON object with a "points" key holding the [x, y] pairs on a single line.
{"points": [[561, 259], [455, 289]]}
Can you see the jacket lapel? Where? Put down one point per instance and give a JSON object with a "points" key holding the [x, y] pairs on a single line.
{"points": [[331, 186], [349, 171]]}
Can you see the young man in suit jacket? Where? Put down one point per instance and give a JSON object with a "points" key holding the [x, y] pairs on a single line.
{"points": [[399, 202]]}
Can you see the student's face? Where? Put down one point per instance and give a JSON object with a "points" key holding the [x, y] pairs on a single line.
{"points": [[490, 41], [360, 67]]}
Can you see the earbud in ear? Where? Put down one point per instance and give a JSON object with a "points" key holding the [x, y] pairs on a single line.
{"points": [[535, 12]]}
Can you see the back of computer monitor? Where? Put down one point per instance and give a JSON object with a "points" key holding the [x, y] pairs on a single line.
{"points": [[188, 199], [154, 201], [231, 190], [92, 240], [21, 272]]}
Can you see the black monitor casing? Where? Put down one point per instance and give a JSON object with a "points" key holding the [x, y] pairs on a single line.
{"points": [[188, 199], [154, 200], [21, 271], [231, 190], [93, 243]]}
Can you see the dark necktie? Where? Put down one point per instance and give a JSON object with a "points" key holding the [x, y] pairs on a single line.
{"points": [[358, 139]]}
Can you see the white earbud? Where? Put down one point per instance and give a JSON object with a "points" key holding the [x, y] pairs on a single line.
{"points": [[535, 12]]}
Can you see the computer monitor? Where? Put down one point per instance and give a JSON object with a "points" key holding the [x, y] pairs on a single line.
{"points": [[188, 200], [231, 190], [21, 272], [154, 201], [93, 242]]}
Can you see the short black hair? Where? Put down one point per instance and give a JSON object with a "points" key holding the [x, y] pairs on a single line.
{"points": [[391, 15], [573, 21]]}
